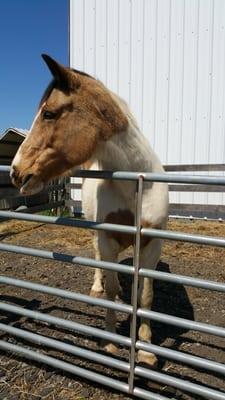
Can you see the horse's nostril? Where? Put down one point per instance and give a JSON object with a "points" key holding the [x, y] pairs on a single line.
{"points": [[27, 178]]}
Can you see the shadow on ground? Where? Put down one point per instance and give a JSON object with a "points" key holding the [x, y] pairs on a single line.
{"points": [[169, 298]]}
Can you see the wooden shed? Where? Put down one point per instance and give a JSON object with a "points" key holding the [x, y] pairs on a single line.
{"points": [[10, 140]]}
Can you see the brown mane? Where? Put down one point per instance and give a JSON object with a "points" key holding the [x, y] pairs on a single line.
{"points": [[82, 73]]}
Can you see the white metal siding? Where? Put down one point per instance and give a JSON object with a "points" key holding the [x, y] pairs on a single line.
{"points": [[167, 59]]}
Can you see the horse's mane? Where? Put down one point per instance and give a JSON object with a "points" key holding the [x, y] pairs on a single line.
{"points": [[82, 73]]}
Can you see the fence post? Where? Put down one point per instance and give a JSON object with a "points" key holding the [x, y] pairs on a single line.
{"points": [[134, 294]]}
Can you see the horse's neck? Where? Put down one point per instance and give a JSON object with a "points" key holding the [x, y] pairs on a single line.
{"points": [[130, 151], [127, 151]]}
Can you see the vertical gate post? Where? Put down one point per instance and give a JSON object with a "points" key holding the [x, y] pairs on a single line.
{"points": [[134, 294]]}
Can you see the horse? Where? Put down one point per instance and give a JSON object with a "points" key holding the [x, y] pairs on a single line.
{"points": [[79, 120]]}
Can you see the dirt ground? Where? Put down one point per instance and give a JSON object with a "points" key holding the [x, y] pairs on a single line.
{"points": [[25, 380]]}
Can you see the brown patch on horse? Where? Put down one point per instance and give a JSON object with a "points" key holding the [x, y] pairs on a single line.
{"points": [[76, 112], [147, 224], [121, 217], [111, 117], [126, 217]]}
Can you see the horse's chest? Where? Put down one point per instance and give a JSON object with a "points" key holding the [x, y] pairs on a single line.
{"points": [[100, 198]]}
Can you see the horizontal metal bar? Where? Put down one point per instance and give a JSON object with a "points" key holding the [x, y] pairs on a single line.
{"points": [[179, 279], [181, 322], [182, 357], [196, 188], [145, 394], [155, 233], [194, 167], [139, 371], [65, 347], [183, 280], [68, 222], [183, 237], [148, 176], [71, 325], [172, 187], [162, 378], [65, 366], [81, 372], [66, 294], [4, 168], [49, 255], [203, 391], [34, 209], [151, 177], [44, 207], [193, 218]]}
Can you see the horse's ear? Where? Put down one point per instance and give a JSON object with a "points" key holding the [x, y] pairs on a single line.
{"points": [[61, 74]]}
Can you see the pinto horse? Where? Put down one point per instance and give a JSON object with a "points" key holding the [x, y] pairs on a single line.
{"points": [[79, 120]]}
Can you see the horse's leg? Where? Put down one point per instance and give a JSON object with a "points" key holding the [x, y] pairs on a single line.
{"points": [[149, 257], [97, 288], [112, 288], [109, 250]]}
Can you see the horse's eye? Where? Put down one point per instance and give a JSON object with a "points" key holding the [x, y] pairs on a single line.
{"points": [[49, 115]]}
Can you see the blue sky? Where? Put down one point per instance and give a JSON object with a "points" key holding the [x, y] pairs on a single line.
{"points": [[27, 29]]}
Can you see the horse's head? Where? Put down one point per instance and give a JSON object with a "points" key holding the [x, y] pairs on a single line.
{"points": [[75, 114]]}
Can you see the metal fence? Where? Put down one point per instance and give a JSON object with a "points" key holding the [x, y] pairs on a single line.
{"points": [[183, 204], [131, 368], [52, 197]]}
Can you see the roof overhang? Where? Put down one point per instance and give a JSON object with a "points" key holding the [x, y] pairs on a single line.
{"points": [[10, 140]]}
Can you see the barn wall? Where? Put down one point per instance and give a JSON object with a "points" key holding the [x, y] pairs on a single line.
{"points": [[167, 59]]}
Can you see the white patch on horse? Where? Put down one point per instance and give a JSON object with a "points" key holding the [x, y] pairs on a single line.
{"points": [[37, 115], [17, 158]]}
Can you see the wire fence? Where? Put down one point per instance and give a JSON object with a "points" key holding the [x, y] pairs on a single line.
{"points": [[132, 369]]}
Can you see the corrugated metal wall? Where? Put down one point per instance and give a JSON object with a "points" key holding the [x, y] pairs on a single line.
{"points": [[167, 59]]}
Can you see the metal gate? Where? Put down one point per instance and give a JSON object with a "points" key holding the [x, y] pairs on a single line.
{"points": [[131, 368]]}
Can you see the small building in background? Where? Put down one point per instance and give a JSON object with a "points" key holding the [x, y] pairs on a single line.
{"points": [[10, 140], [10, 198]]}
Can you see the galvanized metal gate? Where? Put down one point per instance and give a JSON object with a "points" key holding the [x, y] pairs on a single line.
{"points": [[131, 368]]}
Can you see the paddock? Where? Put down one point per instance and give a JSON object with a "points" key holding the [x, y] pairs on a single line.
{"points": [[59, 330]]}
